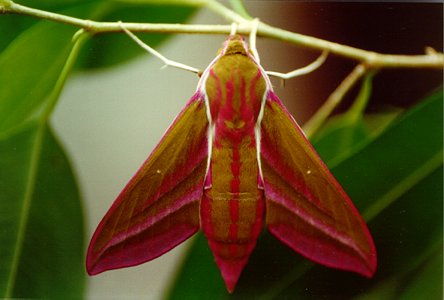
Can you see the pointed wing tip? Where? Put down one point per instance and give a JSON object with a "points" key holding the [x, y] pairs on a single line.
{"points": [[369, 267], [96, 267], [361, 262], [370, 270], [91, 272], [365, 267], [90, 266], [94, 264], [367, 273]]}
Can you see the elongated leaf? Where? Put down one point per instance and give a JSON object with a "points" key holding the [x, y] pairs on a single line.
{"points": [[109, 49], [427, 281], [413, 248], [29, 68], [346, 131], [11, 26], [340, 136], [54, 5], [404, 148], [41, 218], [350, 131], [198, 264], [396, 161]]}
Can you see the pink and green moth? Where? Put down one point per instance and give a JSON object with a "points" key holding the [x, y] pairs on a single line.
{"points": [[233, 161]]}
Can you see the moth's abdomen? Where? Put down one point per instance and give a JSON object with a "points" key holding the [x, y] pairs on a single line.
{"points": [[232, 223], [232, 208]]}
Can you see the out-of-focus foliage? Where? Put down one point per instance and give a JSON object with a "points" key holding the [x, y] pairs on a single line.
{"points": [[42, 232]]}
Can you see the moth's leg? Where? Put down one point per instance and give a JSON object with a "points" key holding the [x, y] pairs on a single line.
{"points": [[253, 35], [302, 71], [167, 61]]}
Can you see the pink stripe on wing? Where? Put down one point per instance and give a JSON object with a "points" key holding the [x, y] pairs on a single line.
{"points": [[275, 195], [195, 194]]}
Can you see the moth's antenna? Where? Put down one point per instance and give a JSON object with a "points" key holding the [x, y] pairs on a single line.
{"points": [[167, 61], [302, 71], [253, 35]]}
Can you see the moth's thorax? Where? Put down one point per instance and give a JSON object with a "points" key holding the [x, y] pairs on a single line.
{"points": [[235, 89]]}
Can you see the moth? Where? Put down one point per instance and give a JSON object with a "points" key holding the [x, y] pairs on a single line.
{"points": [[233, 161]]}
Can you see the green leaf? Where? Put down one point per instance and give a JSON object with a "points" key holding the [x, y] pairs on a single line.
{"points": [[340, 137], [53, 5], [346, 132], [109, 49], [239, 7], [377, 122], [29, 68], [41, 218], [395, 180], [197, 266], [37, 53], [426, 283], [401, 156], [11, 26], [413, 249], [41, 214], [42, 237]]}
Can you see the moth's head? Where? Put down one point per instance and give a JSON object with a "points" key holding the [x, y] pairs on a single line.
{"points": [[234, 44]]}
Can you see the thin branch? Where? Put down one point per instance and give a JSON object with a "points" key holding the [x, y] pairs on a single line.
{"points": [[370, 58], [333, 100], [79, 39], [225, 12], [7, 6], [238, 6], [431, 59]]}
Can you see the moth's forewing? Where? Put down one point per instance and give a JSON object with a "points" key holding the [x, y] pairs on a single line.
{"points": [[159, 207], [306, 208]]}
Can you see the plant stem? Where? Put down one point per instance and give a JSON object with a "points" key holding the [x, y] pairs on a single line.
{"points": [[238, 6], [371, 59], [225, 12], [79, 39], [333, 100]]}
